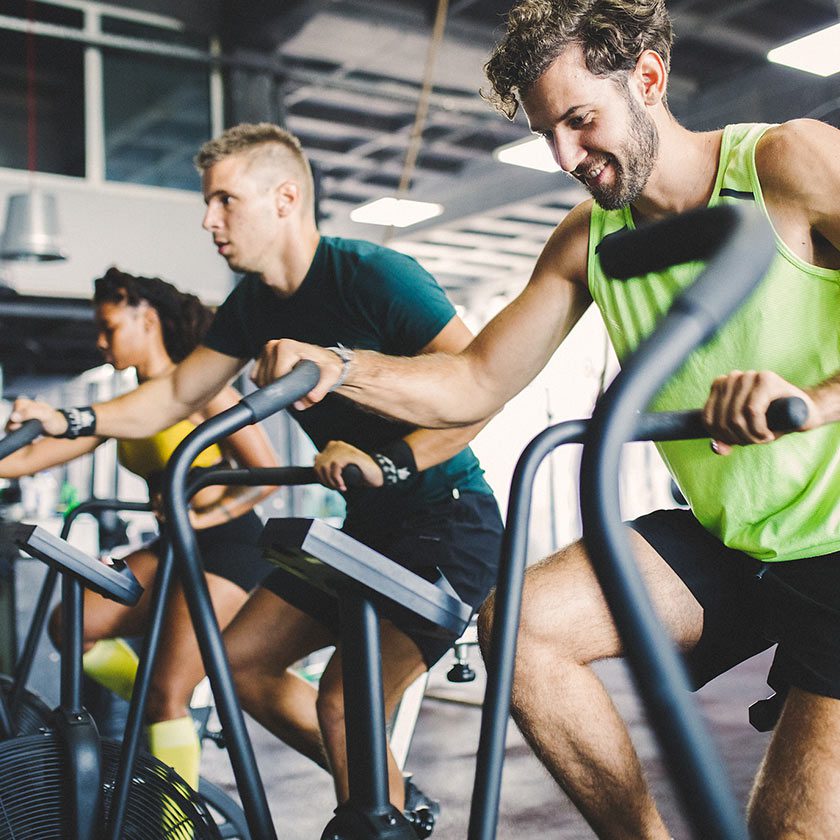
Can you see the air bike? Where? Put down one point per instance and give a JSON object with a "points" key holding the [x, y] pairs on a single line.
{"points": [[737, 245], [367, 586], [24, 713], [63, 781]]}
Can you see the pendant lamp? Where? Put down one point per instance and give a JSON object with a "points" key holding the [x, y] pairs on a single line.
{"points": [[31, 231], [31, 228]]}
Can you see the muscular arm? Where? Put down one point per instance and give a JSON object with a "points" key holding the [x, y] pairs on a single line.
{"points": [[433, 446], [441, 390], [428, 446], [799, 168], [154, 405]]}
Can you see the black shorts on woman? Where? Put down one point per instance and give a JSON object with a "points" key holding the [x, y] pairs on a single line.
{"points": [[231, 551], [750, 605]]}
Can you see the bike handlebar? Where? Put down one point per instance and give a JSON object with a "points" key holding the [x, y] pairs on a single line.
{"points": [[268, 476], [28, 431], [786, 414], [283, 391]]}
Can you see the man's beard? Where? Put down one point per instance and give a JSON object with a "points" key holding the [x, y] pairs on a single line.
{"points": [[637, 160]]}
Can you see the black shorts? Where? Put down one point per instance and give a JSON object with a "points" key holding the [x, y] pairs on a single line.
{"points": [[232, 551], [750, 605], [460, 537]]}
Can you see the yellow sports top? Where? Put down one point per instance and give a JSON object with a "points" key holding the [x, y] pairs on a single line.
{"points": [[147, 456]]}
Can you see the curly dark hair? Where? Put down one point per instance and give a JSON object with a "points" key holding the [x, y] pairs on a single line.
{"points": [[612, 33], [184, 319]]}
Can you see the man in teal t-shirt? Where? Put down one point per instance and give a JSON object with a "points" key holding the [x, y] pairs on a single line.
{"points": [[757, 560], [426, 505]]}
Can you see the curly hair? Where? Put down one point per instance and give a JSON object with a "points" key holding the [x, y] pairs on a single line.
{"points": [[612, 33], [184, 319]]}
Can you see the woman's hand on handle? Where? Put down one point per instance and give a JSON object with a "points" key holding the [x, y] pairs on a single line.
{"points": [[335, 456], [53, 421], [736, 411], [281, 355]]}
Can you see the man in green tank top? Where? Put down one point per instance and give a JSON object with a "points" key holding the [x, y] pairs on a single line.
{"points": [[757, 560]]}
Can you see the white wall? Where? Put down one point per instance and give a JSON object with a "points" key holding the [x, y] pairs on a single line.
{"points": [[143, 230], [569, 386]]}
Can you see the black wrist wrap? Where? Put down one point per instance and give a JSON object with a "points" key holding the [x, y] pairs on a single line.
{"points": [[81, 422], [396, 460]]}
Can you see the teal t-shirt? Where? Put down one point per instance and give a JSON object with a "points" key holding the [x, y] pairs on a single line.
{"points": [[363, 296], [778, 501]]}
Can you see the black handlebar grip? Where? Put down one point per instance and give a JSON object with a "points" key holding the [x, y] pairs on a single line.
{"points": [[787, 414], [353, 476], [29, 430], [694, 235], [283, 391]]}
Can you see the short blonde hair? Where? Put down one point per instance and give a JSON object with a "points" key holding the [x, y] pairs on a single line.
{"points": [[265, 144]]}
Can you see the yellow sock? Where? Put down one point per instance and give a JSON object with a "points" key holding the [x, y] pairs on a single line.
{"points": [[176, 744], [113, 664]]}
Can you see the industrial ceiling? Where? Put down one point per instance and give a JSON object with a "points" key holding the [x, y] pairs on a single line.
{"points": [[346, 77]]}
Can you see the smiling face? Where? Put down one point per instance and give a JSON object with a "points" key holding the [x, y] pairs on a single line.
{"points": [[596, 127], [242, 212], [123, 333]]}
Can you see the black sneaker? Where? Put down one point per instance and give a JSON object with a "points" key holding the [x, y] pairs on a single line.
{"points": [[421, 811]]}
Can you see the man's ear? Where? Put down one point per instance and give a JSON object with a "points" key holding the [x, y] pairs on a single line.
{"points": [[286, 197], [651, 76]]}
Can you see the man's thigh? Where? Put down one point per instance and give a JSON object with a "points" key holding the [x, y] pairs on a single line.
{"points": [[402, 662], [564, 607], [269, 634]]}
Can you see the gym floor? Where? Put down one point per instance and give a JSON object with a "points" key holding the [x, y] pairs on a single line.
{"points": [[442, 759]]}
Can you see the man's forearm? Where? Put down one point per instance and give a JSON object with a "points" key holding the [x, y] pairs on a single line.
{"points": [[434, 390], [434, 446]]}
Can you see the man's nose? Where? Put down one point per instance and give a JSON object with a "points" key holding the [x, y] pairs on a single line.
{"points": [[567, 151], [210, 219]]}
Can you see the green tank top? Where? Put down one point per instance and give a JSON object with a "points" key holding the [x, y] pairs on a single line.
{"points": [[779, 501]]}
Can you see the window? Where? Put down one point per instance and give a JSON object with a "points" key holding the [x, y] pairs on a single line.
{"points": [[58, 104], [157, 114]]}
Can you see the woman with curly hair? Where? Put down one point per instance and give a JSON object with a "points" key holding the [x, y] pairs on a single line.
{"points": [[147, 324]]}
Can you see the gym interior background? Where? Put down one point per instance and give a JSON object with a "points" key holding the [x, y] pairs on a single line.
{"points": [[103, 106]]}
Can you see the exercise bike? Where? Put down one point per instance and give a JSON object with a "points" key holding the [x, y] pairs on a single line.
{"points": [[366, 584], [739, 246], [57, 783]]}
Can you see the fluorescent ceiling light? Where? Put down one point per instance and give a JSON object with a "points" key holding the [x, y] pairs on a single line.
{"points": [[533, 153], [398, 212], [818, 53]]}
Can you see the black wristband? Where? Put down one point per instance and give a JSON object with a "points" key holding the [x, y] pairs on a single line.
{"points": [[396, 460], [81, 422]]}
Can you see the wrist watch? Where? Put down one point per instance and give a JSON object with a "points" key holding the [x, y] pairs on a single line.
{"points": [[346, 355]]}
